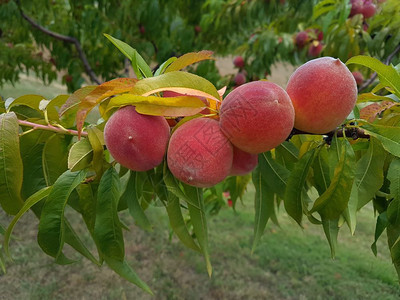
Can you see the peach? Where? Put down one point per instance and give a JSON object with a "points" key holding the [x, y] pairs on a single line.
{"points": [[199, 154], [302, 39], [240, 79], [138, 142], [323, 92], [314, 49], [243, 162], [358, 77], [238, 62], [257, 116]]}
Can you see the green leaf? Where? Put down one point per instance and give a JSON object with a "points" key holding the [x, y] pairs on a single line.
{"points": [[80, 155], [51, 232], [11, 172], [381, 224], [321, 170], [331, 230], [177, 81], [263, 204], [107, 228], [395, 253], [164, 65], [287, 154], [138, 62], [54, 158], [96, 143], [199, 221], [32, 200], [369, 172], [293, 200], [158, 106], [87, 203], [132, 195], [54, 106], [393, 175], [178, 224], [31, 101], [274, 173], [125, 271], [387, 74], [334, 200], [350, 213], [188, 59], [389, 136]]}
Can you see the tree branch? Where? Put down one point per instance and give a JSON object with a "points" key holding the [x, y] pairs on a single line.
{"points": [[63, 38], [369, 81], [354, 133], [50, 128]]}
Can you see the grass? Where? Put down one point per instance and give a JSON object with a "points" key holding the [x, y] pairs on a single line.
{"points": [[289, 263]]}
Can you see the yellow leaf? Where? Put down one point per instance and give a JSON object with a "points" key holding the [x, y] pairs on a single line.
{"points": [[188, 59], [177, 81], [158, 106]]}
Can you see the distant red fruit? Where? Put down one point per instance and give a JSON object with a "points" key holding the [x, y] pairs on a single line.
{"points": [[142, 29], [358, 77], [240, 79], [356, 7], [68, 78], [301, 39], [197, 29], [314, 49], [369, 9], [238, 61], [230, 203]]}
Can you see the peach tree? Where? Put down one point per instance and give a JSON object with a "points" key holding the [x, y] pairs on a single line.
{"points": [[318, 150]]}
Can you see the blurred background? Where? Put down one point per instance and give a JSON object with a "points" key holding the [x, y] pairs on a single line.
{"points": [[55, 47]]}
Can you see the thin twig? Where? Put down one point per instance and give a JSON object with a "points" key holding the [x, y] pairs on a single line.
{"points": [[354, 133], [63, 38], [370, 80], [50, 128]]}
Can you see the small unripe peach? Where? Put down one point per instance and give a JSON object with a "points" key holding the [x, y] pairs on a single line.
{"points": [[301, 39], [238, 62], [138, 142], [240, 79], [243, 162], [257, 116], [358, 77], [323, 92], [314, 49], [199, 154]]}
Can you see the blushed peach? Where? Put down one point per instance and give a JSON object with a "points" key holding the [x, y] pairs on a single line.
{"points": [[138, 142], [243, 162]]}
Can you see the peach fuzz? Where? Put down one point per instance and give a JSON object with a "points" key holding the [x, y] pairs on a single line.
{"points": [[138, 142], [257, 116], [199, 154], [323, 92], [243, 162]]}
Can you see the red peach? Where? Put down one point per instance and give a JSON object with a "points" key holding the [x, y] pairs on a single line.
{"points": [[138, 142], [240, 79], [238, 61], [358, 77], [199, 154], [257, 116], [323, 92], [302, 39], [314, 49], [243, 162], [368, 10]]}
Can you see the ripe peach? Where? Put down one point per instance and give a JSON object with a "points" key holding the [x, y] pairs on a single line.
{"points": [[136, 141], [243, 162], [369, 9], [238, 61], [323, 92], [257, 116], [199, 153], [356, 7]]}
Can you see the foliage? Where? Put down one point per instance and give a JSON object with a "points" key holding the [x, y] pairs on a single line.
{"points": [[325, 178], [262, 31]]}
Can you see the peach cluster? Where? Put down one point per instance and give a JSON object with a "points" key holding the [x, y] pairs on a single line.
{"points": [[254, 118]]}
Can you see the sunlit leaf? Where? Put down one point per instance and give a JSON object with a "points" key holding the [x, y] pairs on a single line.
{"points": [[188, 59], [54, 158], [177, 81], [97, 146], [387, 74], [158, 106], [31, 101], [389, 136], [80, 155]]}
